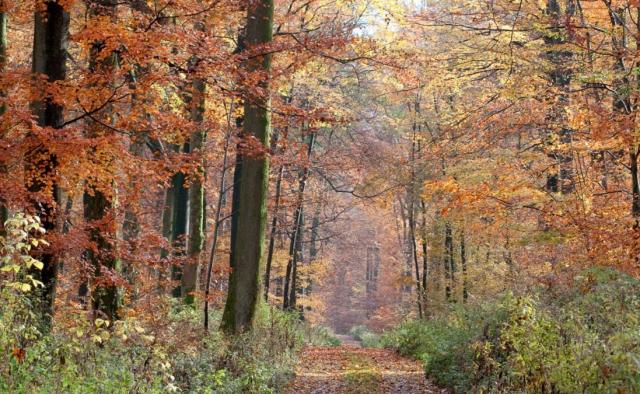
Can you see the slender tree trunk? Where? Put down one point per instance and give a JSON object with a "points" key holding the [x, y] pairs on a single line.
{"points": [[406, 247], [425, 256], [448, 250], [98, 198], [196, 199], [253, 183], [412, 210], [131, 225], [313, 241], [623, 104], [296, 234], [4, 211], [222, 192], [218, 223], [315, 228], [296, 257], [272, 233], [463, 262], [414, 253], [51, 32], [167, 219], [635, 151]]}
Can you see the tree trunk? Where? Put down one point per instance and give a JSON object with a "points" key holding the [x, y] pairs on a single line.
{"points": [[412, 210], [296, 257], [623, 104], [4, 211], [272, 233], [97, 200], [179, 225], [51, 32], [218, 223], [253, 183], [313, 242], [425, 256], [463, 262], [448, 261], [167, 223], [406, 248], [196, 199], [131, 225], [296, 234], [414, 253], [315, 229]]}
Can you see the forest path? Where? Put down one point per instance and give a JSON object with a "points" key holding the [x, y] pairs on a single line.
{"points": [[354, 370]]}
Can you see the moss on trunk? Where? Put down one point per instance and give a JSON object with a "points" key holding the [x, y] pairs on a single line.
{"points": [[253, 182]]}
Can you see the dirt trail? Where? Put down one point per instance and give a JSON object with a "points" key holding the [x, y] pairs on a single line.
{"points": [[351, 369]]}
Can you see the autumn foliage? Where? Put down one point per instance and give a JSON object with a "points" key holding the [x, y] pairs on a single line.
{"points": [[348, 162]]}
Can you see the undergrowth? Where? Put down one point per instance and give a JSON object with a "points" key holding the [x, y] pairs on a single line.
{"points": [[584, 339]]}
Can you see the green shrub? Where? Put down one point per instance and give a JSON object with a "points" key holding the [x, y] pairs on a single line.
{"points": [[443, 343], [125, 358], [322, 336], [357, 331], [584, 340], [370, 340], [366, 337]]}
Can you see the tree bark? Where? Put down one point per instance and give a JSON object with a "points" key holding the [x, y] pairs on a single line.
{"points": [[97, 200], [4, 211], [448, 261], [253, 182], [425, 256], [218, 223], [463, 263], [560, 77], [179, 224], [196, 199], [290, 298], [412, 210], [51, 32], [272, 233]]}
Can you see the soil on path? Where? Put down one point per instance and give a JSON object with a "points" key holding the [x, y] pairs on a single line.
{"points": [[353, 370]]}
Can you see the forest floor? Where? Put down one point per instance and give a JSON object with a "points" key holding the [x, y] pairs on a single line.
{"points": [[351, 369]]}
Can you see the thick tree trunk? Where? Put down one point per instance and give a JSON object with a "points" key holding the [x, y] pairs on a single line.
{"points": [[51, 32], [253, 183], [560, 77], [179, 225]]}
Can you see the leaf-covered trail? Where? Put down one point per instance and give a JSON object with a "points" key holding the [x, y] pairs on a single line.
{"points": [[350, 369]]}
